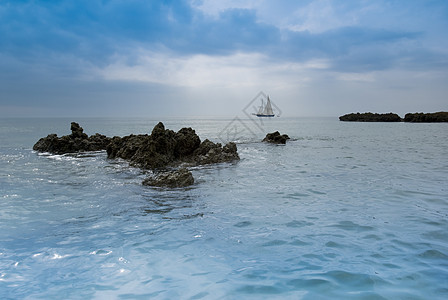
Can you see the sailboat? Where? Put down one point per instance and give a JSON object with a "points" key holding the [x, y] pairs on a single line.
{"points": [[265, 110]]}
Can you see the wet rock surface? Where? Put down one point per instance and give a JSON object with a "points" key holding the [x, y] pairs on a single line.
{"points": [[276, 138], [161, 149], [77, 141], [165, 147], [171, 179]]}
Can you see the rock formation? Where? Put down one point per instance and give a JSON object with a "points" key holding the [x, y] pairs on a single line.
{"points": [[441, 116], [171, 179], [370, 117], [161, 149], [436, 117], [276, 138], [78, 141]]}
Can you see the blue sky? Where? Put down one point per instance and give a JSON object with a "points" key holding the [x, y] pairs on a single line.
{"points": [[210, 58]]}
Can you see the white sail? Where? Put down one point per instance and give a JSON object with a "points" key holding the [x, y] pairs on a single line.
{"points": [[268, 108], [261, 108]]}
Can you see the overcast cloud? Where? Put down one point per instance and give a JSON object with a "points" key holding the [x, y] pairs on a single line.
{"points": [[211, 57]]}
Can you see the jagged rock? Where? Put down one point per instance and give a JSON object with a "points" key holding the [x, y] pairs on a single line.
{"points": [[187, 142], [370, 117], [211, 153], [276, 138], [77, 131], [77, 141], [165, 148], [441, 116], [162, 148], [172, 179]]}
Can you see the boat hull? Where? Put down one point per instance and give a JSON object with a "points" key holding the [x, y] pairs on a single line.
{"points": [[264, 116]]}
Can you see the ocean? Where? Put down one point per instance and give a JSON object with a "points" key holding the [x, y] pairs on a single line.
{"points": [[342, 211]]}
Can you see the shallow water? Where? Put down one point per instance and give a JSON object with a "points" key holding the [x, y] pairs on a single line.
{"points": [[344, 210]]}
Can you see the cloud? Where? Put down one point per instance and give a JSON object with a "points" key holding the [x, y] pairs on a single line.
{"points": [[97, 31], [116, 49]]}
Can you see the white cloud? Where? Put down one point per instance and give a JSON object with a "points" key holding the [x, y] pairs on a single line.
{"points": [[320, 16], [198, 71], [215, 7]]}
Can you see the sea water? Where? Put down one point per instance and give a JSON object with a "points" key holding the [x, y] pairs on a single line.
{"points": [[342, 211]]}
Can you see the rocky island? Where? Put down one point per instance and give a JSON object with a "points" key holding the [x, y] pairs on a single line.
{"points": [[436, 117], [370, 117], [161, 149]]}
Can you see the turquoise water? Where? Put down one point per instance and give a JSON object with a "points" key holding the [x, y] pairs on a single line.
{"points": [[342, 211]]}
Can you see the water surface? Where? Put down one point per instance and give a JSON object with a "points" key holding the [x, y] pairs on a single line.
{"points": [[344, 210]]}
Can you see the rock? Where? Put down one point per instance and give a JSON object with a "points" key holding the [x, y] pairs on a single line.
{"points": [[211, 153], [436, 117], [165, 148], [162, 148], [187, 142], [78, 141], [172, 179], [77, 131], [276, 138], [370, 117]]}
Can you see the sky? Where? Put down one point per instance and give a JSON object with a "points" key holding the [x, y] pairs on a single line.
{"points": [[147, 58]]}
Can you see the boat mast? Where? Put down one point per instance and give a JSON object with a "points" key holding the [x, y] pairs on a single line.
{"points": [[261, 108], [268, 108]]}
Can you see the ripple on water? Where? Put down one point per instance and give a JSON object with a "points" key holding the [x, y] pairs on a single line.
{"points": [[274, 243], [350, 226], [243, 224], [434, 255], [298, 224]]}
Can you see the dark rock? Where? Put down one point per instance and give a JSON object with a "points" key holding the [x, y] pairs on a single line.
{"points": [[276, 138], [162, 148], [436, 117], [370, 117], [187, 142], [78, 141], [77, 131], [211, 153], [98, 141], [165, 148], [172, 179], [125, 147]]}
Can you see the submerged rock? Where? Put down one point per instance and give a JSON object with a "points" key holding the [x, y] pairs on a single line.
{"points": [[77, 141], [276, 138], [172, 179], [441, 116], [370, 117]]}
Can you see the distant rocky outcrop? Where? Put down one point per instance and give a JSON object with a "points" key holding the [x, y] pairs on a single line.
{"points": [[171, 179], [370, 117], [276, 138], [436, 117], [78, 141]]}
